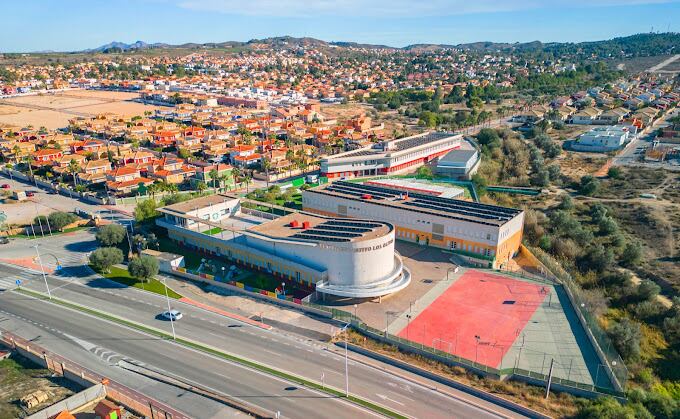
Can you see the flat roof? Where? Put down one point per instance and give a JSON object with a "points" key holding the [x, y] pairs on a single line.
{"points": [[400, 144], [421, 203], [322, 228], [198, 203], [457, 156]]}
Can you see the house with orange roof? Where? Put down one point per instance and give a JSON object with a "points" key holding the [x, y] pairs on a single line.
{"points": [[124, 179], [46, 157], [247, 161], [60, 165], [137, 157], [196, 132], [94, 171], [170, 170], [164, 139]]}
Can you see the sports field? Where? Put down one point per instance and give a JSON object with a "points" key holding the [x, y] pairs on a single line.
{"points": [[478, 317]]}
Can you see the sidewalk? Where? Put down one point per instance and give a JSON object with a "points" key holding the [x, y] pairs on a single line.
{"points": [[289, 320]]}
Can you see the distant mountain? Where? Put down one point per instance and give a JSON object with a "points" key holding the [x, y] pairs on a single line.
{"points": [[122, 47], [634, 45]]}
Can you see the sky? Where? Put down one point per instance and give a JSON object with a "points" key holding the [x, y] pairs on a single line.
{"points": [[73, 25]]}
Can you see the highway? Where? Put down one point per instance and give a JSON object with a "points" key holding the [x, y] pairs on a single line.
{"points": [[280, 350]]}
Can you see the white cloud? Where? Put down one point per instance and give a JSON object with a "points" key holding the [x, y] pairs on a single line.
{"points": [[390, 8]]}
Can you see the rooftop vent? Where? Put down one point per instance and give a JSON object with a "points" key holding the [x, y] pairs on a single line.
{"points": [[294, 224], [366, 196], [305, 225]]}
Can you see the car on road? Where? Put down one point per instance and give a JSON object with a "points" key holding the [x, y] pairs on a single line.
{"points": [[4, 240], [173, 315], [5, 186], [30, 194]]}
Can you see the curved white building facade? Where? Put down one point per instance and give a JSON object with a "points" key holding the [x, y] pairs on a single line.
{"points": [[341, 257]]}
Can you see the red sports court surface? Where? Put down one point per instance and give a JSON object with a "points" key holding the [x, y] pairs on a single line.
{"points": [[494, 308]]}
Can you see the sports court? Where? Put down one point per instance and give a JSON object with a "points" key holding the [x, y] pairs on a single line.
{"points": [[479, 317]]}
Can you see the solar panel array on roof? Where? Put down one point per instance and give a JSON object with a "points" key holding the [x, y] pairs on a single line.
{"points": [[407, 143], [365, 224], [426, 202], [320, 238]]}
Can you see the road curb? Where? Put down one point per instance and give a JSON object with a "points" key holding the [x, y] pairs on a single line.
{"points": [[489, 397], [208, 349]]}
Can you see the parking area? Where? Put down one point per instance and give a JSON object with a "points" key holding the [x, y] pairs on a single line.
{"points": [[43, 203]]}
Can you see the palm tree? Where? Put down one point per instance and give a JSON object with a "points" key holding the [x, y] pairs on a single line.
{"points": [[222, 180], [236, 174], [201, 187], [266, 165], [73, 168], [212, 175]]}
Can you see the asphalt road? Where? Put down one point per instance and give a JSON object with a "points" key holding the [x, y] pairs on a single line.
{"points": [[286, 352], [95, 358], [231, 379]]}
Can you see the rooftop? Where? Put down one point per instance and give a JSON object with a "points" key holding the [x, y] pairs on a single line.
{"points": [[322, 228], [200, 202], [421, 203]]}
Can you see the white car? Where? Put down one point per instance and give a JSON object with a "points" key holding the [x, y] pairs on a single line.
{"points": [[173, 315]]}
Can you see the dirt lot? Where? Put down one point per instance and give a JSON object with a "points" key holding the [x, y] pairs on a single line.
{"points": [[575, 165], [54, 110], [19, 377]]}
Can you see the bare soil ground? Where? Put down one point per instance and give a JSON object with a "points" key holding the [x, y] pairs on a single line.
{"points": [[54, 110], [20, 377], [575, 165]]}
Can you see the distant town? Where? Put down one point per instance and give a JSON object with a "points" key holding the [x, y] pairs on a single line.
{"points": [[288, 226]]}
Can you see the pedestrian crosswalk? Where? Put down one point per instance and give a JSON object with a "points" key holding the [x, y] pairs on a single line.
{"points": [[10, 282]]}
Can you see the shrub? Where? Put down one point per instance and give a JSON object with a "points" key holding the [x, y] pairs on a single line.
{"points": [[631, 255], [104, 258], [58, 220], [626, 336], [615, 172], [589, 185], [111, 234]]}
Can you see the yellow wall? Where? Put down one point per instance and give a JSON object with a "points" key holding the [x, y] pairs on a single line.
{"points": [[506, 250]]}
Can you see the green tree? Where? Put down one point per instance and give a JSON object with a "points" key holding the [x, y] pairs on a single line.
{"points": [[73, 169], [58, 220], [104, 258], [589, 185], [489, 138], [146, 210], [110, 234], [615, 172], [143, 268], [631, 255], [424, 172]]}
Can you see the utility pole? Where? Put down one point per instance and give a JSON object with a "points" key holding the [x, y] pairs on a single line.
{"points": [[550, 374], [172, 322], [49, 294]]}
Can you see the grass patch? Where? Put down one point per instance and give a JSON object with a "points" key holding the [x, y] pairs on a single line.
{"points": [[242, 361], [122, 276], [213, 231], [192, 260], [54, 233], [259, 280]]}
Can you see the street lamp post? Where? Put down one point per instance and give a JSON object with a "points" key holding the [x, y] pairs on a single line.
{"points": [[476, 347], [355, 311], [408, 325], [344, 329], [172, 322], [49, 294], [283, 284]]}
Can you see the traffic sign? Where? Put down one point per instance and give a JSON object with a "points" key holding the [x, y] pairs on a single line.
{"points": [[18, 282], [58, 267]]}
